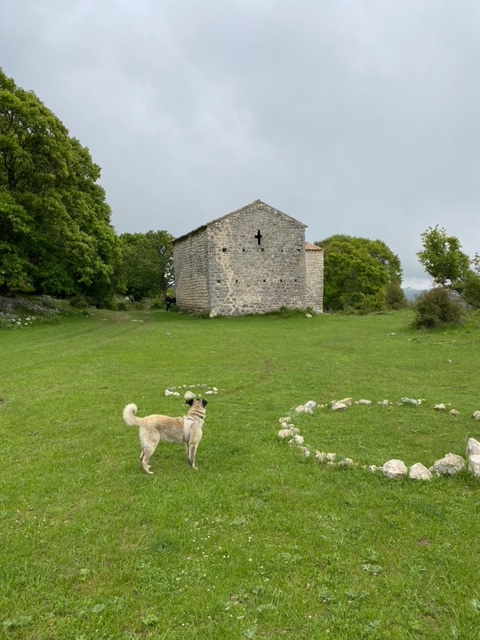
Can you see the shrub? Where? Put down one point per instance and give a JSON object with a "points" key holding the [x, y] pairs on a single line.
{"points": [[394, 296], [79, 302], [158, 303], [109, 302], [435, 308], [287, 312]]}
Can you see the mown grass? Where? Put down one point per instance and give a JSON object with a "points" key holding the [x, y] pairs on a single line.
{"points": [[261, 542]]}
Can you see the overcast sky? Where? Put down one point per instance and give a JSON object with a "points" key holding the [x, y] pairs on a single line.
{"points": [[359, 117]]}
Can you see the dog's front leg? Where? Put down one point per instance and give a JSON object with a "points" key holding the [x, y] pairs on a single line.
{"points": [[192, 452]]}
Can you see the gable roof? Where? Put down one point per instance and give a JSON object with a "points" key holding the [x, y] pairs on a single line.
{"points": [[245, 208]]}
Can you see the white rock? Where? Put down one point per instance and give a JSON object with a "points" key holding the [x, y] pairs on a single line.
{"points": [[476, 415], [283, 434], [450, 465], [394, 469], [331, 457], [346, 401], [300, 409], [308, 315], [346, 462], [320, 456], [373, 468], [454, 412], [363, 402], [338, 406], [419, 471], [168, 392], [189, 395], [310, 405], [298, 440], [306, 451], [474, 465], [412, 401], [440, 407], [285, 420], [384, 403], [473, 447]]}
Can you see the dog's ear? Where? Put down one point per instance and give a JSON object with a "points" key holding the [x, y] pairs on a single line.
{"points": [[189, 401], [205, 402]]}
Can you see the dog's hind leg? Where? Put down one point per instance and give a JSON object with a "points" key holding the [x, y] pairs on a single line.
{"points": [[145, 456]]}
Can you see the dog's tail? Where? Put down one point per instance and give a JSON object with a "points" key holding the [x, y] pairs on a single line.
{"points": [[130, 417]]}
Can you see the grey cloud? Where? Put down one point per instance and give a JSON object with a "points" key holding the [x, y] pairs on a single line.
{"points": [[356, 118]]}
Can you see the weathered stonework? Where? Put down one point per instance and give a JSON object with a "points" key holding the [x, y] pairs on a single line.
{"points": [[253, 260], [314, 277]]}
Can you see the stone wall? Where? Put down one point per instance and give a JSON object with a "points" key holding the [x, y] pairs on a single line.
{"points": [[190, 257], [314, 257], [256, 262]]}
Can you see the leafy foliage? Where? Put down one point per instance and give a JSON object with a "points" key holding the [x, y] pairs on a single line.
{"points": [[471, 289], [55, 228], [147, 268], [395, 297], [442, 257], [358, 272], [435, 308], [471, 285]]}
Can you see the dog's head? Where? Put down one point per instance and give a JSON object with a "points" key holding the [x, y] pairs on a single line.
{"points": [[190, 401]]}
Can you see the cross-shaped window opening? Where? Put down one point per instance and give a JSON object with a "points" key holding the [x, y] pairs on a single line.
{"points": [[259, 237]]}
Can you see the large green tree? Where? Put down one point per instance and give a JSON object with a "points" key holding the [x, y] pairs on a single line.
{"points": [[358, 273], [147, 269], [443, 259], [55, 232], [469, 289]]}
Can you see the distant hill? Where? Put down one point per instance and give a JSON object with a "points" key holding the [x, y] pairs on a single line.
{"points": [[411, 294]]}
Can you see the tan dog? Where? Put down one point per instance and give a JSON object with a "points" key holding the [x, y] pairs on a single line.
{"points": [[157, 428]]}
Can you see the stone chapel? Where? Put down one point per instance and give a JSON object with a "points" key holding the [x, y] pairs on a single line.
{"points": [[254, 260]]}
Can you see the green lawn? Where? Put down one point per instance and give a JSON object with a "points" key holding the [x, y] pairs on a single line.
{"points": [[261, 542]]}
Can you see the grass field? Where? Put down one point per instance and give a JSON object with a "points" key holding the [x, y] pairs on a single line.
{"points": [[261, 542]]}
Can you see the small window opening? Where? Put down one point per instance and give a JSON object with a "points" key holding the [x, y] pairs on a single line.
{"points": [[224, 249], [259, 237]]}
